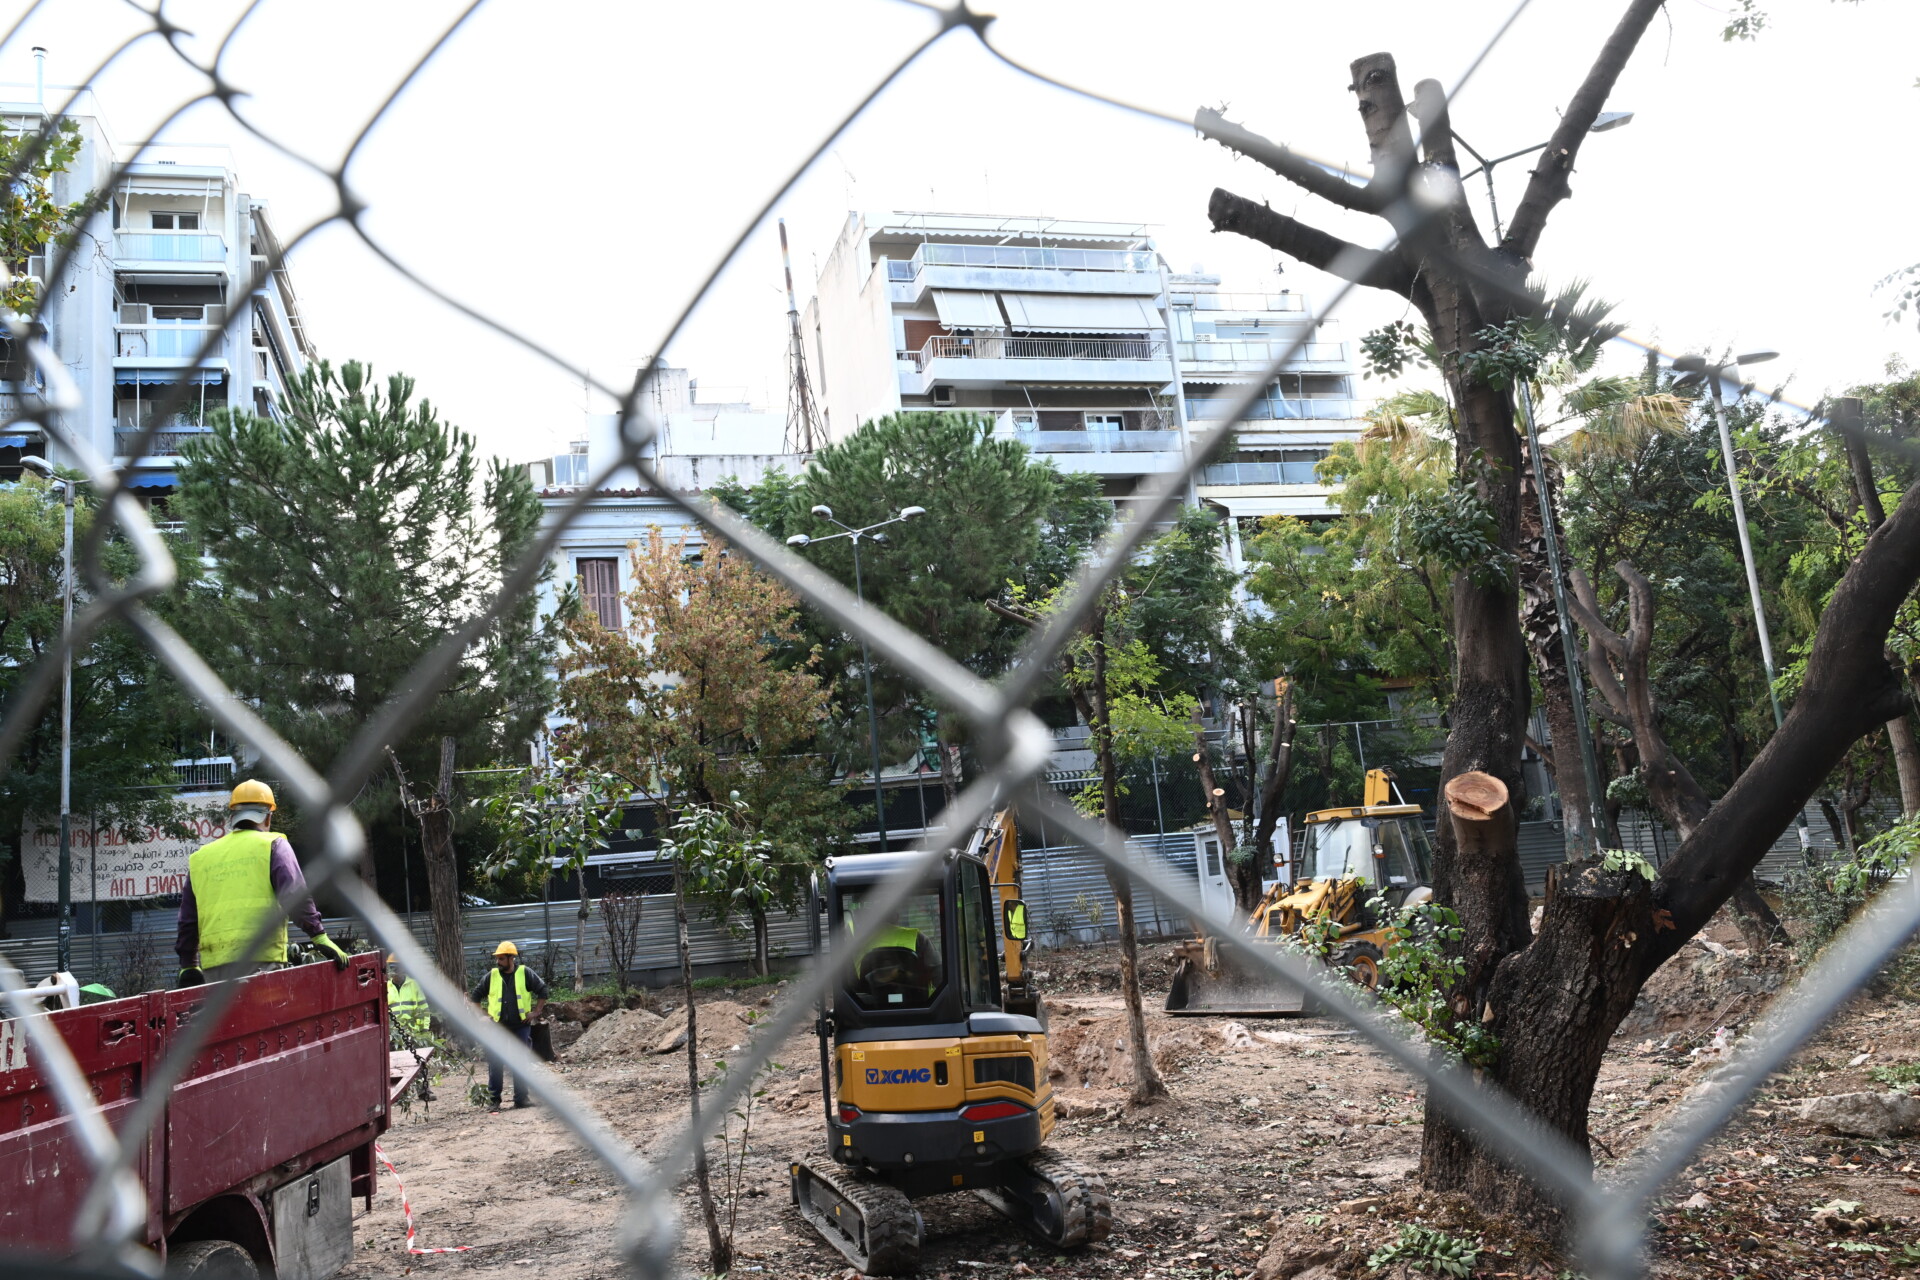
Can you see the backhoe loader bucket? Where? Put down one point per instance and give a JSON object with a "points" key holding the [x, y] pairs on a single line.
{"points": [[1212, 980]]}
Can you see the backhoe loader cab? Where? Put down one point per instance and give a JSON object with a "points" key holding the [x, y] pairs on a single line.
{"points": [[1345, 858], [934, 1060]]}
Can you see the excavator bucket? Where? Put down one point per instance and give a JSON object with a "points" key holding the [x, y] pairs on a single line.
{"points": [[1212, 980]]}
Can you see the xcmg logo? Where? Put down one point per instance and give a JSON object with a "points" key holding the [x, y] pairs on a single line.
{"points": [[899, 1075]]}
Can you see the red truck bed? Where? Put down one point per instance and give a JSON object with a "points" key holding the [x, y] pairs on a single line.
{"points": [[295, 1076]]}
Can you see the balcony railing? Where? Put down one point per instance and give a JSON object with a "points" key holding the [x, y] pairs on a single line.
{"points": [[1098, 440], [1238, 301], [1018, 257], [1260, 473], [167, 341], [165, 444], [1262, 353], [1276, 410], [168, 246], [990, 347]]}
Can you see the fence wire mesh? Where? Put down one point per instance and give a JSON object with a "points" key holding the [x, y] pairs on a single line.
{"points": [[1014, 746]]}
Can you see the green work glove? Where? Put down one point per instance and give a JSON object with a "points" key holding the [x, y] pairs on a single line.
{"points": [[189, 977], [330, 947]]}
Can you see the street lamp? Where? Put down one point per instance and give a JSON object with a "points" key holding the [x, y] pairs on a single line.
{"points": [[854, 535], [1595, 818], [41, 467]]}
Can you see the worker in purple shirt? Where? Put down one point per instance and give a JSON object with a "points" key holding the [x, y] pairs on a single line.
{"points": [[232, 884]]}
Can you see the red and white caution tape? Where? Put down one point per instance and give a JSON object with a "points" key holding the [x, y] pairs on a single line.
{"points": [[407, 1209]]}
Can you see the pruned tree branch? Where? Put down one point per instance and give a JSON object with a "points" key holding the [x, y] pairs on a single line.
{"points": [[1548, 186], [1316, 248], [1289, 164]]}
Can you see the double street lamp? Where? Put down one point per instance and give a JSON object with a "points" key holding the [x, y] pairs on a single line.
{"points": [[856, 536], [1696, 369], [41, 467]]}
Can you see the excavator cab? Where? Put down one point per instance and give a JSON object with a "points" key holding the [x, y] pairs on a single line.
{"points": [[934, 1061]]}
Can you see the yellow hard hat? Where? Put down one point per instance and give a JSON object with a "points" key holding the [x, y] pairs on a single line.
{"points": [[506, 949], [393, 959], [252, 791]]}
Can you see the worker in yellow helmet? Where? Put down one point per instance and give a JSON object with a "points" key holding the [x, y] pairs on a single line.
{"points": [[514, 997], [232, 884]]}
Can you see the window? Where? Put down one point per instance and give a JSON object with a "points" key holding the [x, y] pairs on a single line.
{"points": [[176, 222], [1213, 858], [599, 578], [1106, 422], [979, 977], [901, 967]]}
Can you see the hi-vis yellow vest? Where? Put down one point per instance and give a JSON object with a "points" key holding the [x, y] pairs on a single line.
{"points": [[522, 996], [232, 891], [407, 1005]]}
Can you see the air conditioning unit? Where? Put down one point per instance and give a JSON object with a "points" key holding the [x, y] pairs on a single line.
{"points": [[943, 396]]}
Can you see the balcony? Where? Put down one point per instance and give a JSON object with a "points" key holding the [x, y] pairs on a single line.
{"points": [[1236, 473], [1252, 357], [1110, 451], [999, 266], [175, 343], [989, 360], [169, 253], [166, 443], [1275, 409], [1239, 302]]}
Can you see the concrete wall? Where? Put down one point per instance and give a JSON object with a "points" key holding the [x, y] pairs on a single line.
{"points": [[849, 329]]}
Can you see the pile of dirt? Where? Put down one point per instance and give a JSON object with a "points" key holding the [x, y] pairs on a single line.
{"points": [[724, 1025], [589, 1009], [624, 1033], [1706, 986], [1091, 1053]]}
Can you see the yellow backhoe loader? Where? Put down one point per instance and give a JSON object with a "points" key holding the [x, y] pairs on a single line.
{"points": [[1345, 858], [933, 1062]]}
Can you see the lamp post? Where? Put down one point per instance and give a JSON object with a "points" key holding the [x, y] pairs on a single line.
{"points": [[1699, 369], [40, 466], [855, 536], [1594, 820]]}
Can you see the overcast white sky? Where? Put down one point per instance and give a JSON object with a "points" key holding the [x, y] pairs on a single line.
{"points": [[574, 169]]}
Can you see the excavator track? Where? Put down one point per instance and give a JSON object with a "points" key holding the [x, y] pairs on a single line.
{"points": [[1064, 1203], [873, 1224]]}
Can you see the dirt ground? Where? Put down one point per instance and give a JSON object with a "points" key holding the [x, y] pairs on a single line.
{"points": [[1312, 1139]]}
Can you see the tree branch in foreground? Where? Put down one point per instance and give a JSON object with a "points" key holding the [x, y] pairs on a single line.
{"points": [[1316, 248]]}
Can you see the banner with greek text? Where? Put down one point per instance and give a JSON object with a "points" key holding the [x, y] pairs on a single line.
{"points": [[119, 864]]}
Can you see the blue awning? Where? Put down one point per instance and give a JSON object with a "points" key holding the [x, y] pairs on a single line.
{"points": [[162, 377], [148, 480], [13, 442]]}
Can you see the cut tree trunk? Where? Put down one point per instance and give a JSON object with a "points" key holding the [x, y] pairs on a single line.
{"points": [[1239, 871], [1279, 771], [1540, 620], [435, 815], [760, 942]]}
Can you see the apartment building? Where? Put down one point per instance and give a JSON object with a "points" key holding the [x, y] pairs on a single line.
{"points": [[1075, 338], [168, 264]]}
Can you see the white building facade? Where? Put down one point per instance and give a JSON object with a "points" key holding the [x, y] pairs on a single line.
{"points": [[168, 265], [1075, 338]]}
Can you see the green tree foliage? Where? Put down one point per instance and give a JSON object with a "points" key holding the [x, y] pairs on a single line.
{"points": [[129, 721], [349, 540], [697, 701], [30, 218], [990, 519], [553, 817]]}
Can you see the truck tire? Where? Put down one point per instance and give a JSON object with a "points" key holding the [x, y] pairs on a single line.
{"points": [[210, 1260]]}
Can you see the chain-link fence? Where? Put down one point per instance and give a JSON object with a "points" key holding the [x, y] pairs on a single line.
{"points": [[1013, 744]]}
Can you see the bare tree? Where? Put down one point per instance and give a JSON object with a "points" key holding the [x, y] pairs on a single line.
{"points": [[434, 812], [620, 913]]}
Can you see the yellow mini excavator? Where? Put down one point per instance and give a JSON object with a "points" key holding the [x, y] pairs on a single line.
{"points": [[1344, 859], [933, 1061]]}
